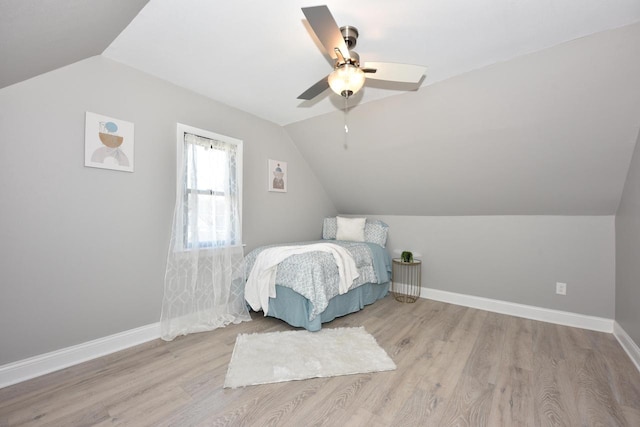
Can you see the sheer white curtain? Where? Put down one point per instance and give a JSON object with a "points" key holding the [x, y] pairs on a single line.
{"points": [[204, 281]]}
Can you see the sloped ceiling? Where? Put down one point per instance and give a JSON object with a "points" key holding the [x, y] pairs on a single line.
{"points": [[37, 36], [547, 133], [528, 107], [258, 56]]}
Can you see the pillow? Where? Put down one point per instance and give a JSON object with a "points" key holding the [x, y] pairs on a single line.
{"points": [[329, 228], [350, 229], [375, 231]]}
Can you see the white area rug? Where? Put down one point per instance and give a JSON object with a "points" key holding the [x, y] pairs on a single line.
{"points": [[297, 355]]}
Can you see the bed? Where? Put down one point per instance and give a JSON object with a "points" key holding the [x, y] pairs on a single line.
{"points": [[308, 287]]}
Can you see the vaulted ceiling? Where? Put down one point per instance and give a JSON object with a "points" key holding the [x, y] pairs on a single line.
{"points": [[259, 56], [549, 133], [37, 36], [529, 107]]}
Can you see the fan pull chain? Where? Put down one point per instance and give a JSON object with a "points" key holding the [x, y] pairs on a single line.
{"points": [[346, 124]]}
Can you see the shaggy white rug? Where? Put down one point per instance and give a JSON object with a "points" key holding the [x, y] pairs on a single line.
{"points": [[297, 355]]}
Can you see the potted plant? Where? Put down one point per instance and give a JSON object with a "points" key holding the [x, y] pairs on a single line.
{"points": [[406, 256]]}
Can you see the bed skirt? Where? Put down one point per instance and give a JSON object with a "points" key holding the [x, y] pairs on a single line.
{"points": [[294, 309]]}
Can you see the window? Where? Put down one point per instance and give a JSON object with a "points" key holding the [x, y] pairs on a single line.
{"points": [[209, 188]]}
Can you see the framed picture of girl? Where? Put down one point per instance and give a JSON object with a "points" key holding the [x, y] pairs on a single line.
{"points": [[277, 176]]}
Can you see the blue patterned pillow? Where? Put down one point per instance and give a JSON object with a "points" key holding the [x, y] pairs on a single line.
{"points": [[330, 228], [375, 231]]}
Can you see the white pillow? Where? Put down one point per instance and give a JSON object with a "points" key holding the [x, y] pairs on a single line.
{"points": [[351, 229]]}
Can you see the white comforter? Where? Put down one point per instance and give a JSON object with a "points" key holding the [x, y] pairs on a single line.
{"points": [[261, 284]]}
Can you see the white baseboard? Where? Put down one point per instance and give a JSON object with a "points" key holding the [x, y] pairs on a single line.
{"points": [[32, 367], [520, 310], [627, 344]]}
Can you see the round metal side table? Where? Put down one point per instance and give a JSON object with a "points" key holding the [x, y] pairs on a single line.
{"points": [[405, 281]]}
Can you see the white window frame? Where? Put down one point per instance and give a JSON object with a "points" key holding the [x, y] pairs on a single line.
{"points": [[183, 129]]}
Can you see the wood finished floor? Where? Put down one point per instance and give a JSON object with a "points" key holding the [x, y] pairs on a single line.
{"points": [[456, 367]]}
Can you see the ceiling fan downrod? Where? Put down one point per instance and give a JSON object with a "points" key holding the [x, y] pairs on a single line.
{"points": [[350, 35]]}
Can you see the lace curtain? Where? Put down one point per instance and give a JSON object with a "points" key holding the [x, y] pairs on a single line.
{"points": [[204, 281]]}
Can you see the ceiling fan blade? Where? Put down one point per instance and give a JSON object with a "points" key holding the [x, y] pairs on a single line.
{"points": [[391, 71], [326, 29], [316, 89]]}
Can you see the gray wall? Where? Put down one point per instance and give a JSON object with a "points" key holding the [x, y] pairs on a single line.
{"points": [[517, 259], [83, 250], [627, 252]]}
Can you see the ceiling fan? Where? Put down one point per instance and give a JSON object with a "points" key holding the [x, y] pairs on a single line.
{"points": [[348, 76]]}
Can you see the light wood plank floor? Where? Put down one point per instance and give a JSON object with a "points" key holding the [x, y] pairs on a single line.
{"points": [[456, 367]]}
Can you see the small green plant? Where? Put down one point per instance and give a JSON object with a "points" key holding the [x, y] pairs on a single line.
{"points": [[406, 256]]}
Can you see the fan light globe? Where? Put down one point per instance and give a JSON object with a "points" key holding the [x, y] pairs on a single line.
{"points": [[346, 80]]}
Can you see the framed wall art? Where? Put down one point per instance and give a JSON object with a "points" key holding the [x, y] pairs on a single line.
{"points": [[108, 143], [278, 176]]}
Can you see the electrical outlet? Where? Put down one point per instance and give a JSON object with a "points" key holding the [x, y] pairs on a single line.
{"points": [[561, 288]]}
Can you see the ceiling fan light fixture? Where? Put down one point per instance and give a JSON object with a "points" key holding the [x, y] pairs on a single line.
{"points": [[346, 80]]}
